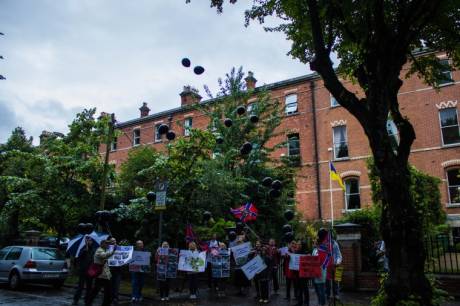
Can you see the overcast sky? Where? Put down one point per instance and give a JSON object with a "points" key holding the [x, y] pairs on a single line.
{"points": [[62, 56]]}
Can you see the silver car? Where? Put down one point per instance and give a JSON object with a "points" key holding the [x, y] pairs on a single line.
{"points": [[32, 264]]}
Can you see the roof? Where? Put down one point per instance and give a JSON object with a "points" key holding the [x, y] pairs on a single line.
{"points": [[176, 110]]}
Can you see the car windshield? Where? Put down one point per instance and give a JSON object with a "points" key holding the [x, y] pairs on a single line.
{"points": [[46, 254]]}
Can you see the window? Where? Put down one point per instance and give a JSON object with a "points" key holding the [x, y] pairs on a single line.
{"points": [[449, 126], [352, 197], [250, 109], [3, 252], [334, 102], [393, 132], [46, 254], [446, 73], [293, 145], [453, 185], [113, 145], [136, 137], [340, 142], [291, 104], [14, 254], [187, 126], [157, 133]]}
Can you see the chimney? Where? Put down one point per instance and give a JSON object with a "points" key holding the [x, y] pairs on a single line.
{"points": [[189, 96], [144, 109], [250, 80]]}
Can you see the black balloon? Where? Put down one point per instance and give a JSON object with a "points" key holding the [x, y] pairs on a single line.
{"points": [[246, 148], [81, 228], [288, 237], [186, 62], [151, 196], [232, 235], [163, 129], [228, 122], [219, 140], [289, 215], [89, 228], [240, 110], [277, 185], [254, 118], [239, 225], [207, 216], [170, 135], [198, 70], [267, 182], [275, 193], [287, 228]]}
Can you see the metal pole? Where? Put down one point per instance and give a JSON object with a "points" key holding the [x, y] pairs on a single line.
{"points": [[330, 193], [160, 228]]}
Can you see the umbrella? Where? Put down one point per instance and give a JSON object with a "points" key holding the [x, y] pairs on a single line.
{"points": [[77, 243]]}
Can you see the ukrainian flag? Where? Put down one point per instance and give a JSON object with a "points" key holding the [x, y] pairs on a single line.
{"points": [[335, 176]]}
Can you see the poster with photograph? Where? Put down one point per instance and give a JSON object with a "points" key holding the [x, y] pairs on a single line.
{"points": [[192, 261], [122, 256], [220, 263], [167, 263], [241, 252], [254, 266], [140, 262]]}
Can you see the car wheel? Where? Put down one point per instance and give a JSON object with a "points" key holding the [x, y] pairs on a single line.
{"points": [[58, 284], [14, 281]]}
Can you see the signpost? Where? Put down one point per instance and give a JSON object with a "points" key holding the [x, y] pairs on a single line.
{"points": [[160, 205]]}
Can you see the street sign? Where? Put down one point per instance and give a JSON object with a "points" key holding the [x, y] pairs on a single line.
{"points": [[160, 189]]}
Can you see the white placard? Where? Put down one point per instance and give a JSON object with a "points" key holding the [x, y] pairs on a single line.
{"points": [[241, 250], [122, 256], [294, 261], [284, 251], [192, 261], [254, 266], [141, 258]]}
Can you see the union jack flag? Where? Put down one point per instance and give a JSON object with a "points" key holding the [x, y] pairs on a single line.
{"points": [[245, 213]]}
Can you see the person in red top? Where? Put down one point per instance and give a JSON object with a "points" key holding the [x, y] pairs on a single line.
{"points": [[274, 254], [291, 275]]}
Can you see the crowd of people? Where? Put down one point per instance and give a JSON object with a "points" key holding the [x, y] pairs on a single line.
{"points": [[94, 271]]}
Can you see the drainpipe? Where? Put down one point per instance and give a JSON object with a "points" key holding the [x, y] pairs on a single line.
{"points": [[315, 140]]}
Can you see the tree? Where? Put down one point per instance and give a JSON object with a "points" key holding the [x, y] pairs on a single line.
{"points": [[373, 40], [18, 141]]}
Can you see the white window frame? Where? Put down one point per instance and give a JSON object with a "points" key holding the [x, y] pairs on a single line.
{"points": [[287, 105], [334, 144], [114, 144], [445, 72], [188, 127], [288, 143], [138, 138], [450, 204], [331, 99], [345, 180], [156, 135], [441, 127]]}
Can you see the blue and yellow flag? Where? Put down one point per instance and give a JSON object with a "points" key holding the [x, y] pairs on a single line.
{"points": [[335, 176]]}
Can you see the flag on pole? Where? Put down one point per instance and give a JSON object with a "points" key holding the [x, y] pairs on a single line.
{"points": [[245, 213], [335, 175]]}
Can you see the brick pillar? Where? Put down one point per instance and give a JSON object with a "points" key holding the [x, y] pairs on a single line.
{"points": [[349, 239]]}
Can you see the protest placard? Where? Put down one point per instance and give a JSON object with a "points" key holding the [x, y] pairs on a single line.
{"points": [[167, 263], [140, 262], [192, 261], [241, 252], [283, 251], [220, 263], [254, 266], [122, 256], [309, 266], [294, 260]]}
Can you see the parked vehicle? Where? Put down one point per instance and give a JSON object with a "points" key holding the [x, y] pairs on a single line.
{"points": [[32, 264]]}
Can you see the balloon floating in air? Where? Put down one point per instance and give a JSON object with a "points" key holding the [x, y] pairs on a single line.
{"points": [[89, 228], [239, 225], [232, 235], [246, 148], [151, 196], [170, 135], [228, 122], [277, 185], [289, 215], [275, 193], [219, 140], [240, 110], [254, 118], [198, 70], [81, 228], [267, 182], [288, 237], [186, 62], [163, 129], [207, 216], [287, 228]]}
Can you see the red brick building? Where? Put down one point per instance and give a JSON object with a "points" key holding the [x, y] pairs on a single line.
{"points": [[319, 130]]}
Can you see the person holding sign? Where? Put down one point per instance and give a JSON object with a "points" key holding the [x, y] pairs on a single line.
{"points": [[262, 279], [323, 250], [116, 275], [137, 278], [303, 294], [160, 259], [291, 275], [275, 256], [193, 276], [241, 281]]}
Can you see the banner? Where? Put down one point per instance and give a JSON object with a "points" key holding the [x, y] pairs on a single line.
{"points": [[167, 263], [192, 261], [241, 252], [220, 263], [294, 260], [254, 266], [140, 262], [122, 256], [309, 267]]}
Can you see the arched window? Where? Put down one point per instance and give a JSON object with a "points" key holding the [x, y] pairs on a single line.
{"points": [[453, 186], [352, 196]]}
